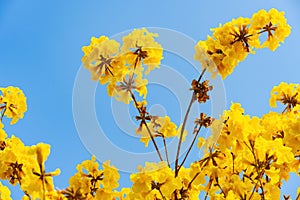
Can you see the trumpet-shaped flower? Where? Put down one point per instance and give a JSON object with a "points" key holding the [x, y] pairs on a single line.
{"points": [[274, 24], [140, 48], [4, 192], [12, 103]]}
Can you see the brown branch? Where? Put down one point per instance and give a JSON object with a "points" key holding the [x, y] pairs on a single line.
{"points": [[219, 186], [166, 150], [193, 98], [2, 115], [210, 183], [233, 157], [259, 173], [145, 123], [253, 190], [190, 148], [154, 143], [190, 183], [164, 198], [181, 133]]}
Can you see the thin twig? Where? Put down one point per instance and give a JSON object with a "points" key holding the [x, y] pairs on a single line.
{"points": [[233, 157], [145, 123], [190, 148], [184, 123], [210, 183], [201, 75], [181, 133], [152, 138], [262, 189], [2, 115], [166, 150], [259, 174], [190, 183], [164, 198], [219, 186], [253, 190], [135, 101]]}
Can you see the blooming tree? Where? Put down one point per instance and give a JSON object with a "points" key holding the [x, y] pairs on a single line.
{"points": [[246, 157]]}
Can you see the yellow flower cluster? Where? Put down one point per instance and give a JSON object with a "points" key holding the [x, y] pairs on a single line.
{"points": [[12, 103], [250, 157], [21, 164], [159, 127], [4, 192], [245, 157], [230, 43], [157, 181], [122, 68], [90, 182], [24, 165], [288, 94]]}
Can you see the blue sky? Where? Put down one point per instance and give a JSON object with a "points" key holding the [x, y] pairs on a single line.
{"points": [[41, 53]]}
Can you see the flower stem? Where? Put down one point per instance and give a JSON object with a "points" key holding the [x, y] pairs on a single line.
{"points": [[152, 138], [181, 134], [184, 123], [166, 150], [209, 183], [164, 198], [190, 183], [190, 148], [145, 123], [3, 112]]}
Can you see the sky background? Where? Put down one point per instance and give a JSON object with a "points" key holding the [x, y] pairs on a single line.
{"points": [[41, 53]]}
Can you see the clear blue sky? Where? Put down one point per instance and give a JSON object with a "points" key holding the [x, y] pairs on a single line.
{"points": [[41, 53]]}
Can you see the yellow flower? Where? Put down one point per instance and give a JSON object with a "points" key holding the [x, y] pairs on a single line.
{"points": [[288, 94], [88, 178], [55, 195], [207, 61], [166, 127], [3, 136], [42, 151], [12, 103], [272, 191], [159, 127], [14, 161], [200, 143], [124, 89], [87, 50], [228, 46], [111, 176], [285, 126], [123, 69], [103, 194], [230, 43], [93, 181], [273, 174], [103, 61], [154, 181], [37, 181], [274, 24], [4, 192], [140, 48]]}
